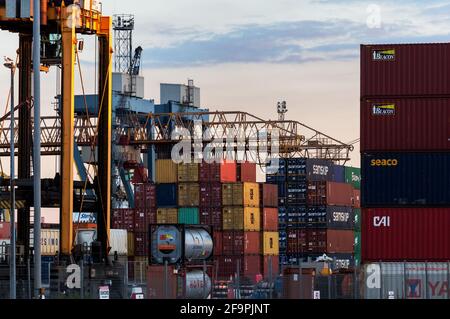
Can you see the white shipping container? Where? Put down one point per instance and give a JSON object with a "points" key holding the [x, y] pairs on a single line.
{"points": [[118, 242]]}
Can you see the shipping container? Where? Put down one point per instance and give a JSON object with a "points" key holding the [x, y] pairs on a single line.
{"points": [[166, 195], [246, 172], [338, 174], [269, 219], [218, 243], [296, 166], [210, 194], [282, 217], [358, 218], [356, 198], [143, 218], [249, 267], [270, 243], [240, 194], [166, 171], [329, 193], [276, 173], [341, 261], [412, 234], [237, 243], [412, 124], [241, 218], [188, 194], [298, 283], [332, 217], [296, 193], [319, 170], [406, 280], [225, 172], [330, 241], [297, 241], [167, 216], [118, 240], [296, 216], [188, 172], [270, 267], [130, 240], [123, 219], [405, 70], [405, 179], [5, 230], [158, 285], [144, 196], [141, 244], [188, 216], [211, 216], [50, 242], [268, 195], [353, 177]]}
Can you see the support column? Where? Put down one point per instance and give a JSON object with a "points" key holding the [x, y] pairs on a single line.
{"points": [[104, 140], [24, 138], [69, 45]]}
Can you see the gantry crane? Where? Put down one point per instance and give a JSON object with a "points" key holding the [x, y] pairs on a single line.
{"points": [[61, 22]]}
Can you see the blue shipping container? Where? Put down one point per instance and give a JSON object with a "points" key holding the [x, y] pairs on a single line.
{"points": [[405, 179], [331, 217], [338, 174], [319, 170], [296, 166], [296, 193], [166, 195], [296, 216], [282, 217], [280, 171]]}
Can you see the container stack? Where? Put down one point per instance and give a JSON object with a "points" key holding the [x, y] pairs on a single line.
{"points": [[405, 109], [316, 212]]}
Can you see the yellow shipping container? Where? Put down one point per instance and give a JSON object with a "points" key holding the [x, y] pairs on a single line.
{"points": [[167, 216], [49, 242], [188, 172], [240, 194], [271, 244], [166, 171], [241, 218], [188, 194], [130, 240]]}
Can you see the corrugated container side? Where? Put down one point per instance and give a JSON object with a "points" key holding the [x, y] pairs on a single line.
{"points": [[269, 195], [166, 171], [411, 125], [211, 194], [130, 240], [252, 243], [270, 267], [227, 194], [411, 234], [188, 216], [211, 216], [252, 219], [339, 194], [405, 179], [141, 244], [271, 243], [338, 174], [251, 267], [353, 177], [167, 216], [157, 283], [269, 219], [405, 70], [333, 217], [330, 241], [319, 170], [188, 172], [166, 195], [297, 241], [189, 194], [49, 242], [118, 242], [218, 243], [246, 172], [228, 172]]}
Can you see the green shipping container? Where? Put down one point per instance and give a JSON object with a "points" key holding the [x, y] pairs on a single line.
{"points": [[357, 218], [188, 216], [357, 249], [353, 176]]}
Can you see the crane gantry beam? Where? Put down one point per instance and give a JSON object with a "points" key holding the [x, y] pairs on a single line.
{"points": [[295, 138]]}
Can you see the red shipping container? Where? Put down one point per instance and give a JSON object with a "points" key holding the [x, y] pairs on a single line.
{"points": [[266, 261], [409, 124], [143, 218], [150, 195], [405, 70], [249, 267], [210, 194], [329, 193], [269, 195], [270, 219], [123, 219], [5, 230], [157, 283], [227, 266], [297, 241], [139, 196], [141, 244], [246, 172], [218, 243], [211, 216], [356, 198], [331, 241], [406, 234], [224, 172], [238, 243]]}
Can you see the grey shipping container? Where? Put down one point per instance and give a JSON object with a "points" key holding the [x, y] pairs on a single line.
{"points": [[319, 170], [406, 280]]}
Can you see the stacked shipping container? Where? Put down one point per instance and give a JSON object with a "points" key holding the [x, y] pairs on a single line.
{"points": [[316, 212], [405, 105]]}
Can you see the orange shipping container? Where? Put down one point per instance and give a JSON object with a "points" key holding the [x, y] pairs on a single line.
{"points": [[188, 194], [166, 171], [270, 219]]}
